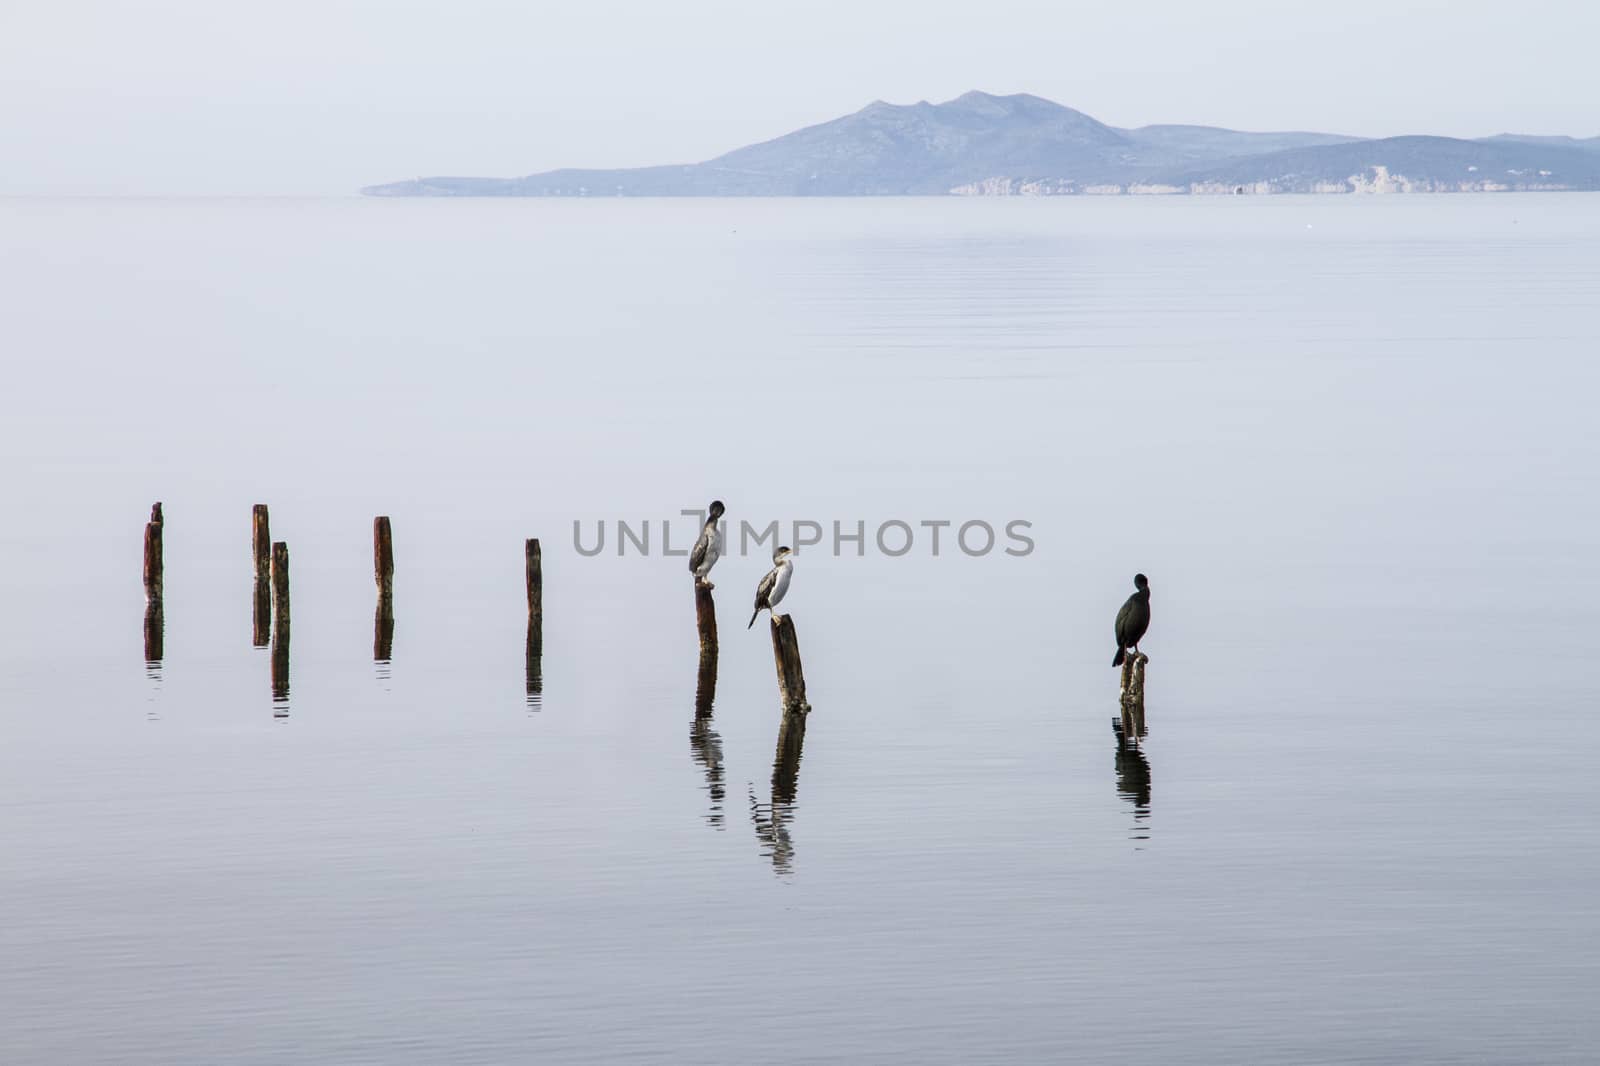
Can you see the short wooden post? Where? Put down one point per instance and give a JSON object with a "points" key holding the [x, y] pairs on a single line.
{"points": [[154, 610], [383, 557], [533, 576], [153, 567], [261, 548], [383, 574], [705, 620], [280, 622], [1132, 696], [791, 678]]}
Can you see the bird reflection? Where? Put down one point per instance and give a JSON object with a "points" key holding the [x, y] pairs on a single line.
{"points": [[1133, 780], [772, 819], [535, 664]]}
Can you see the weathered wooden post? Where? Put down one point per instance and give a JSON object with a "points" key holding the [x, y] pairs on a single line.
{"points": [[533, 574], [155, 622], [705, 684], [280, 622], [786, 654], [153, 568], [705, 619], [1133, 695], [261, 546], [383, 574]]}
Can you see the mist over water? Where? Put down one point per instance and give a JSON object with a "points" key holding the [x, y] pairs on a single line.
{"points": [[1349, 440]]}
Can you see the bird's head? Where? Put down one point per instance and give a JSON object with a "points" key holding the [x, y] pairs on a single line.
{"points": [[1141, 582], [715, 510], [781, 556]]}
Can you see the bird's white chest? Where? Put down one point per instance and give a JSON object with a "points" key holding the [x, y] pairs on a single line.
{"points": [[780, 585]]}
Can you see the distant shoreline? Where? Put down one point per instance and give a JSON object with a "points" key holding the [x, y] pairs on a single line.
{"points": [[1021, 145]]}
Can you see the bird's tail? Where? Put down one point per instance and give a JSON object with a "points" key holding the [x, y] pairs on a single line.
{"points": [[753, 615], [1118, 660]]}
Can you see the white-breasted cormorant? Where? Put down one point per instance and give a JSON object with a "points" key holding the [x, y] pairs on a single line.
{"points": [[774, 585]]}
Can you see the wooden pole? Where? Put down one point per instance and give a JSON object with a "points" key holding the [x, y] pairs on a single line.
{"points": [[533, 575], [791, 678], [705, 619], [280, 622], [153, 567], [155, 622], [383, 574], [705, 684], [261, 546], [383, 557], [1132, 696]]}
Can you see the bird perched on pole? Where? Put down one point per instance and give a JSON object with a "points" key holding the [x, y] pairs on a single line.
{"points": [[1133, 619], [774, 586], [708, 548]]}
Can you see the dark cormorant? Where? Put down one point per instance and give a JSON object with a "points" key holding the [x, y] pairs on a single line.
{"points": [[1133, 619], [708, 548]]}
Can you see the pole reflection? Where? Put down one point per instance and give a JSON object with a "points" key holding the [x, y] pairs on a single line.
{"points": [[772, 819], [1133, 779]]}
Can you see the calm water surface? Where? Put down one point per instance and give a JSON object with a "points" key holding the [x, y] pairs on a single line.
{"points": [[1350, 440]]}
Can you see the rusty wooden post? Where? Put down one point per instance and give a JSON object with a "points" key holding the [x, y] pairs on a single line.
{"points": [[786, 654], [261, 548], [705, 619], [155, 623], [533, 574], [383, 574], [705, 684], [1132, 696], [280, 622], [153, 567]]}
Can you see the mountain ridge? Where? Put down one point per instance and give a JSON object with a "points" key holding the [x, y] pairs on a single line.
{"points": [[1020, 144]]}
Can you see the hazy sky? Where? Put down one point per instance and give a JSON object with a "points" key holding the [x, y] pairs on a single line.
{"points": [[321, 96]]}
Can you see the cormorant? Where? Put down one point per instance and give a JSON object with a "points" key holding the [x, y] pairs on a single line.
{"points": [[708, 549], [774, 585], [1133, 619]]}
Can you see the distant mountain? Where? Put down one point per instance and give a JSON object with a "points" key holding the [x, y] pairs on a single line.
{"points": [[984, 145]]}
